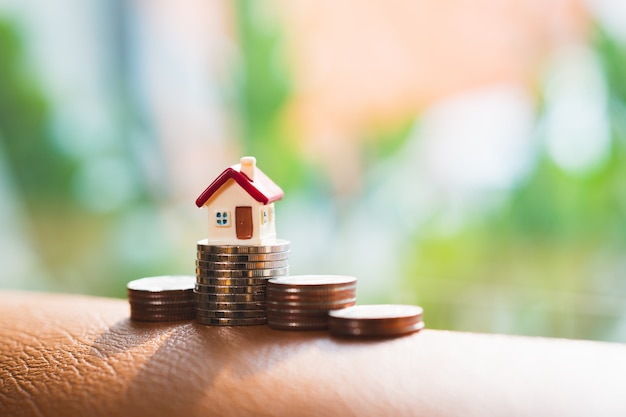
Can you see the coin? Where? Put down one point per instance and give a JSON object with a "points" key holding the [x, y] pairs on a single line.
{"points": [[312, 305], [241, 265], [241, 314], [284, 310], [160, 310], [320, 294], [313, 298], [382, 331], [312, 282], [382, 320], [164, 306], [245, 273], [230, 289], [159, 284], [165, 302], [166, 297], [231, 281], [253, 257], [231, 322], [278, 245], [229, 305], [302, 302], [162, 298], [234, 298]]}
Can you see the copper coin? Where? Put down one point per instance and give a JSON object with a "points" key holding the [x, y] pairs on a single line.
{"points": [[232, 306], [290, 310], [312, 305], [310, 297], [278, 245], [162, 309], [231, 322], [162, 284], [378, 332], [382, 320], [160, 296], [252, 257], [241, 273], [233, 298], [190, 300], [311, 282], [283, 316], [226, 314]]}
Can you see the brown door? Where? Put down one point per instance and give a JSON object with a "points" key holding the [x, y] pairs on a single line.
{"points": [[243, 219]]}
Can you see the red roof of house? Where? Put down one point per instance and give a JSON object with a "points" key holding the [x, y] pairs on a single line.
{"points": [[262, 189]]}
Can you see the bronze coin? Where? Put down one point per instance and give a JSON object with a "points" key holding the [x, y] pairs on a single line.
{"points": [[231, 322], [233, 298], [190, 300], [161, 309], [232, 306], [375, 332], [160, 284], [310, 282], [291, 310], [226, 314], [329, 296], [382, 320]]}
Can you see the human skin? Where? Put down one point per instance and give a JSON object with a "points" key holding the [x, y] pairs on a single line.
{"points": [[76, 355]]}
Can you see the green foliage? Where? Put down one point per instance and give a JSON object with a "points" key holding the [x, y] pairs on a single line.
{"points": [[41, 171], [549, 258], [384, 141], [264, 87]]}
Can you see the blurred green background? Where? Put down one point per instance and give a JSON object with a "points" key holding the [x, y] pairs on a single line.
{"points": [[492, 193]]}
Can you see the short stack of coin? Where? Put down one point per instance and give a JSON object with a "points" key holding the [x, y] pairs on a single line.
{"points": [[231, 281], [162, 298], [302, 302], [380, 320]]}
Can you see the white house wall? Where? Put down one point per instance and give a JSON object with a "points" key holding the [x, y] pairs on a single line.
{"points": [[227, 198]]}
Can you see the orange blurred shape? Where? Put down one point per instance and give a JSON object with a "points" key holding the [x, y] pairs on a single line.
{"points": [[359, 63]]}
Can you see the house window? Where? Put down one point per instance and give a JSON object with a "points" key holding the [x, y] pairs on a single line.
{"points": [[264, 215], [222, 218]]}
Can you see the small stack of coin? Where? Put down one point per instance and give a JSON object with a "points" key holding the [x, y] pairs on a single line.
{"points": [[302, 302], [381, 320], [162, 298], [231, 281]]}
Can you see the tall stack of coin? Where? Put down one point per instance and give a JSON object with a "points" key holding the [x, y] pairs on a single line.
{"points": [[231, 281], [162, 298], [302, 302], [379, 320]]}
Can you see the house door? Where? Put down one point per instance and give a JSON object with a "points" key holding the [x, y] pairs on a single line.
{"points": [[243, 220]]}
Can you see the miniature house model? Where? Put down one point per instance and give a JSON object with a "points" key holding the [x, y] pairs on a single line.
{"points": [[240, 202]]}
